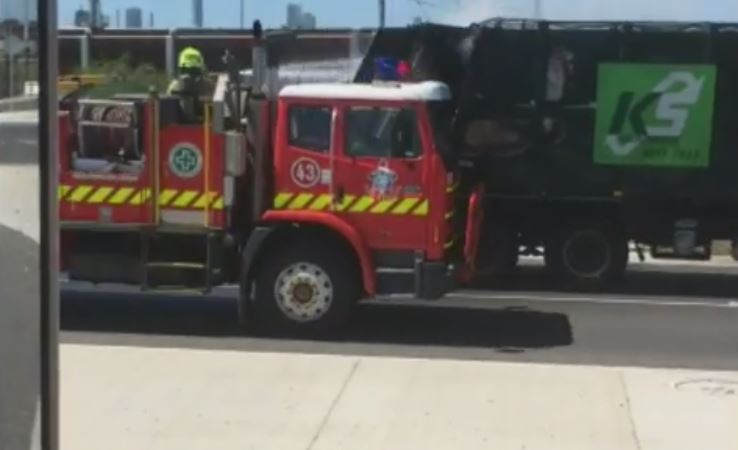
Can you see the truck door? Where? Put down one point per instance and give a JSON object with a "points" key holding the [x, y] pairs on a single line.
{"points": [[379, 176]]}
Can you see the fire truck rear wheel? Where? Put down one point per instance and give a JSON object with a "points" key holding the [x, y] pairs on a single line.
{"points": [[306, 288]]}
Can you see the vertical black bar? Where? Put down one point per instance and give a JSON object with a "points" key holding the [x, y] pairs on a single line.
{"points": [[48, 142]]}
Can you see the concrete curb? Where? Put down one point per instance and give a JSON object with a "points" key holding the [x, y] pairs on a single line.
{"points": [[18, 104]]}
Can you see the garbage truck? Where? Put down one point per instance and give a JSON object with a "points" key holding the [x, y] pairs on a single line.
{"points": [[592, 139]]}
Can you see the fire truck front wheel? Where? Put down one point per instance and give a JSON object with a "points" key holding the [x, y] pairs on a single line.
{"points": [[305, 288]]}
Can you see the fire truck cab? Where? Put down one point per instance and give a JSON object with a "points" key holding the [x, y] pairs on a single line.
{"points": [[311, 201]]}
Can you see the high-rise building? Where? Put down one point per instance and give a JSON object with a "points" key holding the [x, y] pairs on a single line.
{"points": [[134, 18], [151, 20], [198, 14], [309, 22], [294, 15], [82, 18], [297, 19]]}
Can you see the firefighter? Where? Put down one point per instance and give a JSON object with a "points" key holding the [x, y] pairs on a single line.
{"points": [[192, 84]]}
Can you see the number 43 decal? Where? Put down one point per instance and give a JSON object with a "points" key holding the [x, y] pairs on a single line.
{"points": [[305, 173]]}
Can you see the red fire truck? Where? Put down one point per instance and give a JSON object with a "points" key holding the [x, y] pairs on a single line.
{"points": [[311, 199]]}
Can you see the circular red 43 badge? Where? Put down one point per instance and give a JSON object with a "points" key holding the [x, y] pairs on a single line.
{"points": [[305, 172]]}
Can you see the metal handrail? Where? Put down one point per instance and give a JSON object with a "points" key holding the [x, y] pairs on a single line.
{"points": [[206, 165]]}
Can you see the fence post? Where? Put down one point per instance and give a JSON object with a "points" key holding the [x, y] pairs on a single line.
{"points": [[171, 69], [84, 50]]}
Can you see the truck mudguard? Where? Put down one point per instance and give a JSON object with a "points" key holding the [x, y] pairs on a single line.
{"points": [[339, 226]]}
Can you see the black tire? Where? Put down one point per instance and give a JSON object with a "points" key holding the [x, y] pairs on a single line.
{"points": [[587, 254], [270, 312]]}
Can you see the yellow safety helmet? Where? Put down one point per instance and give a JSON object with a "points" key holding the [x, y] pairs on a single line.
{"points": [[191, 58]]}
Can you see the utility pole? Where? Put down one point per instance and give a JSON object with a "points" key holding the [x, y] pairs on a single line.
{"points": [[382, 13]]}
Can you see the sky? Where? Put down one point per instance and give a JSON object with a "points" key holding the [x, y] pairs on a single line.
{"points": [[360, 13]]}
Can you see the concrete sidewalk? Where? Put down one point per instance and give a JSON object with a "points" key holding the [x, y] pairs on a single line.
{"points": [[142, 398]]}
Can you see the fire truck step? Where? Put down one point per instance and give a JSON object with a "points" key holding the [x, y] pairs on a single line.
{"points": [[176, 290], [176, 265]]}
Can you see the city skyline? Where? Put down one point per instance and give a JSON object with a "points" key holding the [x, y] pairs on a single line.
{"points": [[333, 13]]}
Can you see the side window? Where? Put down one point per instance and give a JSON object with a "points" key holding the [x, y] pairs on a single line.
{"points": [[382, 133], [310, 128]]}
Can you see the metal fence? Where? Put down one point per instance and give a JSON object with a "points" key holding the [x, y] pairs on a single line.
{"points": [[17, 76]]}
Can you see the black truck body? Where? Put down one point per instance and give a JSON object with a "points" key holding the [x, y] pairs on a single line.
{"points": [[587, 136]]}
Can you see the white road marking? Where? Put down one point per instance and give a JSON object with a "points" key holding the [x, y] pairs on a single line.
{"points": [[538, 297], [541, 297]]}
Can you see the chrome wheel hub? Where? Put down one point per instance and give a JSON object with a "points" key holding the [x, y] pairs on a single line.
{"points": [[303, 292]]}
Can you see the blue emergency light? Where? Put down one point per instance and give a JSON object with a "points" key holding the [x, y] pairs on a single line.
{"points": [[385, 69]]}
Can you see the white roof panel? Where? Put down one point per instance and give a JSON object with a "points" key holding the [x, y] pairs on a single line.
{"points": [[424, 91]]}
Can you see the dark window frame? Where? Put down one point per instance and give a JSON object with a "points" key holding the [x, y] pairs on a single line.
{"points": [[418, 148], [297, 142]]}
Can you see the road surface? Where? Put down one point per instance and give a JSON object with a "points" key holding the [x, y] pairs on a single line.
{"points": [[18, 137], [660, 319]]}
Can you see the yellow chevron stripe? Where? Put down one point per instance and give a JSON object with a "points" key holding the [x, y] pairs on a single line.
{"points": [[449, 244], [185, 199], [405, 206], [63, 191], [422, 210], [301, 201], [452, 188], [219, 204], [100, 195], [345, 203], [167, 196], [362, 205], [383, 206], [140, 197], [204, 200], [120, 196], [80, 193], [321, 203], [281, 200]]}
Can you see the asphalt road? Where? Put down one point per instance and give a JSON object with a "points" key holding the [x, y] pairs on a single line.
{"points": [[680, 321], [19, 137]]}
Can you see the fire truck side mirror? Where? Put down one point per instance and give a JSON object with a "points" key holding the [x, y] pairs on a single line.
{"points": [[235, 154]]}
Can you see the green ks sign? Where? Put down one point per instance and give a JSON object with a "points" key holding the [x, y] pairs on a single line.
{"points": [[654, 115]]}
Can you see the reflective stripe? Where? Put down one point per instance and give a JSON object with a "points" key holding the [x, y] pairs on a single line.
{"points": [[166, 197], [405, 206], [128, 196], [345, 202], [204, 200], [301, 201], [80, 193], [449, 244], [321, 203], [280, 201], [450, 215], [452, 188], [100, 195], [141, 197], [362, 205], [422, 210], [383, 206], [63, 191], [353, 204], [121, 196], [185, 199]]}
